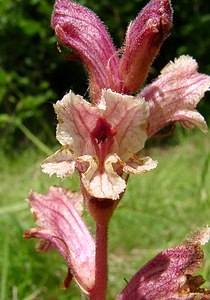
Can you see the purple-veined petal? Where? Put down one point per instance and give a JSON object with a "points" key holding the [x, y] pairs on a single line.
{"points": [[139, 165], [174, 95], [129, 116], [80, 29], [60, 163], [77, 119], [190, 119], [144, 38], [59, 223], [96, 137], [102, 183], [170, 275]]}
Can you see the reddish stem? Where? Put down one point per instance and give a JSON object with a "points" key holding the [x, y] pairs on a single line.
{"points": [[99, 292], [101, 210]]}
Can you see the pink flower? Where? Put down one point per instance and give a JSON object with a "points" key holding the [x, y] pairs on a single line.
{"points": [[173, 96], [102, 141], [170, 275], [59, 224]]}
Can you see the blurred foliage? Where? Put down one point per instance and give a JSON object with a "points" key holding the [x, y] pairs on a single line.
{"points": [[33, 74]]}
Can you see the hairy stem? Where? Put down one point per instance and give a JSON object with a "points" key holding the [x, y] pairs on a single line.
{"points": [[101, 211], [99, 292]]}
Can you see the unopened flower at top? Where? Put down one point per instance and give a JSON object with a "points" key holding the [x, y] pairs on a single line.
{"points": [[80, 29], [102, 140]]}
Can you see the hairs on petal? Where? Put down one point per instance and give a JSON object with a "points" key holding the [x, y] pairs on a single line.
{"points": [[79, 28]]}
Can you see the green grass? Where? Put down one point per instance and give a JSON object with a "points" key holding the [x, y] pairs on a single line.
{"points": [[159, 209]]}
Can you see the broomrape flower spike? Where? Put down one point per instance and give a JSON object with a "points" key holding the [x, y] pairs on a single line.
{"points": [[102, 140]]}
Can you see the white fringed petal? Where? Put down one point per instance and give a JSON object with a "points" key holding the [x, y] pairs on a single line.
{"points": [[139, 165], [60, 163]]}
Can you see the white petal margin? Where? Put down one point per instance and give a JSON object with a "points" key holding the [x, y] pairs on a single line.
{"points": [[60, 163], [107, 184], [140, 165], [191, 119]]}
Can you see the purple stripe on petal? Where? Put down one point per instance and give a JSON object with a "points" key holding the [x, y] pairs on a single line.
{"points": [[173, 96]]}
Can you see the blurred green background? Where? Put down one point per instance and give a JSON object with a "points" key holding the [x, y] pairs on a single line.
{"points": [[158, 210]]}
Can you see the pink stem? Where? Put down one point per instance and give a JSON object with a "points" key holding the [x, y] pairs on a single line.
{"points": [[99, 291]]}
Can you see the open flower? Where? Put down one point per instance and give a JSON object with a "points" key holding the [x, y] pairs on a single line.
{"points": [[174, 95], [57, 215], [101, 141], [170, 275]]}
